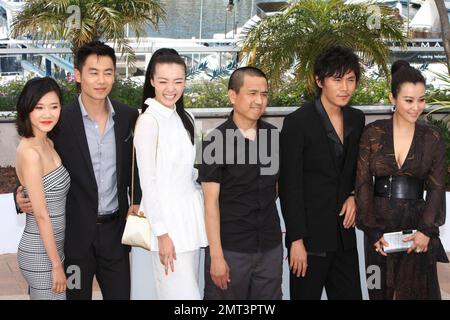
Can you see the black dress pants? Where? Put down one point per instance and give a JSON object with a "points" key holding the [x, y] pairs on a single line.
{"points": [[337, 271], [107, 259]]}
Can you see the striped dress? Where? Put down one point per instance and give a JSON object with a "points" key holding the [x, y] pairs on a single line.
{"points": [[34, 262]]}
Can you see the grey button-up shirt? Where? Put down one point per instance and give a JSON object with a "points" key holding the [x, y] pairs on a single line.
{"points": [[102, 149]]}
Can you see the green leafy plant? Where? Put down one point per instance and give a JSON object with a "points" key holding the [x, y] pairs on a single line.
{"points": [[213, 94], [9, 93], [95, 19], [126, 91], [443, 103], [290, 93], [207, 94], [292, 40], [371, 92], [443, 125]]}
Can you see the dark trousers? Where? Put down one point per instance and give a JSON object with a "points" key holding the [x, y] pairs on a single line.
{"points": [[108, 260], [337, 271], [254, 276]]}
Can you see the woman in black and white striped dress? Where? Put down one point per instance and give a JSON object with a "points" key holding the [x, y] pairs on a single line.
{"points": [[46, 182]]}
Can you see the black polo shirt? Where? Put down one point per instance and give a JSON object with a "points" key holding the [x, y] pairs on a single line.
{"points": [[249, 219]]}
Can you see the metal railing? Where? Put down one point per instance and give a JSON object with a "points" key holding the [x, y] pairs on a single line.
{"points": [[210, 56]]}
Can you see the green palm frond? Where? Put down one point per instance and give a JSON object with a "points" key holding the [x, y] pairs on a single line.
{"points": [[291, 40], [100, 19], [442, 104]]}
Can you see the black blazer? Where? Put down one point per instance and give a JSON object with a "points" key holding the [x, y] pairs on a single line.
{"points": [[82, 199], [312, 190]]}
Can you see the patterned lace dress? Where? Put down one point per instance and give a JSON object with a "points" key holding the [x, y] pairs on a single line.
{"points": [[403, 276]]}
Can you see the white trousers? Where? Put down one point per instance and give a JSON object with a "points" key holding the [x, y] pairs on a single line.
{"points": [[182, 284]]}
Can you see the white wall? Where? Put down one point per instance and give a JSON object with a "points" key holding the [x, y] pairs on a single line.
{"points": [[8, 143], [445, 230], [11, 226]]}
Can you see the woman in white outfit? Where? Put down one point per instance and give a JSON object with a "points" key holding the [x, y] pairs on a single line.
{"points": [[171, 198]]}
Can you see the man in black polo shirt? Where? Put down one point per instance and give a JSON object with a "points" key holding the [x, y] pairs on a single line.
{"points": [[239, 174]]}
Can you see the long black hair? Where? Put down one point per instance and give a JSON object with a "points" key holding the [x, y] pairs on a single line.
{"points": [[166, 55]]}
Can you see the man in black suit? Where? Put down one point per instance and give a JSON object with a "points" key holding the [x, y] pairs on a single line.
{"points": [[319, 147], [95, 143]]}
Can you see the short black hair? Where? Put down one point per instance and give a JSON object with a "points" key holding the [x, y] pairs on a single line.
{"points": [[401, 73], [31, 93], [95, 47], [237, 77], [336, 62]]}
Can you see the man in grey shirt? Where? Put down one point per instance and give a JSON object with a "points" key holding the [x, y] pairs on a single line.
{"points": [[95, 143], [102, 149]]}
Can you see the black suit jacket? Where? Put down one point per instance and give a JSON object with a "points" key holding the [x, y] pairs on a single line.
{"points": [[82, 199], [312, 188]]}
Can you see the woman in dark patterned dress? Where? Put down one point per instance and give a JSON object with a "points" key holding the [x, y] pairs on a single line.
{"points": [[398, 158]]}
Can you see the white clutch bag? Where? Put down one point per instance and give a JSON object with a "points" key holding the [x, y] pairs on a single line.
{"points": [[137, 231], [395, 240]]}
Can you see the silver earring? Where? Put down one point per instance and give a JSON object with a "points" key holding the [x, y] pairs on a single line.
{"points": [[393, 108]]}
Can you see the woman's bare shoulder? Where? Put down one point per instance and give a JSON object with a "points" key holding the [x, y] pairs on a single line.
{"points": [[27, 154], [27, 157]]}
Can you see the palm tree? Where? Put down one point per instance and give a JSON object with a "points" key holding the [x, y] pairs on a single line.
{"points": [[444, 123], [442, 104], [99, 19], [291, 40], [445, 27]]}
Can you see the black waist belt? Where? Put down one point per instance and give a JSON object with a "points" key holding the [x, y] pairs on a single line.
{"points": [[398, 187], [107, 217]]}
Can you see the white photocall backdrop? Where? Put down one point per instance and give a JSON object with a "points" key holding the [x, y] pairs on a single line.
{"points": [[11, 226], [142, 283]]}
